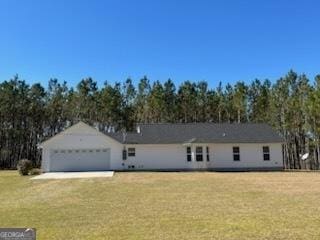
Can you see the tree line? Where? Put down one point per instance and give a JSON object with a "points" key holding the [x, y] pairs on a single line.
{"points": [[30, 114]]}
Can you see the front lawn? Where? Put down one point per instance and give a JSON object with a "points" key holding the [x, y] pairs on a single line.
{"points": [[191, 205]]}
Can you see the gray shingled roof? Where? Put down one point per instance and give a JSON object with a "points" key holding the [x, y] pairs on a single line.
{"points": [[200, 133]]}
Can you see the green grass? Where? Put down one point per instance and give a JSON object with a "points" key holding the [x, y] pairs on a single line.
{"points": [[191, 205]]}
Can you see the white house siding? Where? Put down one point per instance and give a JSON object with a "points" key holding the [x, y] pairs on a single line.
{"points": [[251, 156], [45, 159], [161, 156], [173, 156], [81, 136]]}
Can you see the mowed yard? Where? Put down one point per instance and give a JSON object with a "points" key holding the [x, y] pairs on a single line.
{"points": [[189, 205]]}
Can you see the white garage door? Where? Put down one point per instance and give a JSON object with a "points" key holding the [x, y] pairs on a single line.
{"points": [[79, 160]]}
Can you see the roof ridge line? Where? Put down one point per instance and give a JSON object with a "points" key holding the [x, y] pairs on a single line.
{"points": [[209, 123]]}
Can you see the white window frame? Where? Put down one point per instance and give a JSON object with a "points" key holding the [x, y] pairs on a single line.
{"points": [[199, 154], [266, 153], [236, 153], [131, 152], [189, 154]]}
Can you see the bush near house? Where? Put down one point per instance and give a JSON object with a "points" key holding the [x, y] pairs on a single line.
{"points": [[24, 167]]}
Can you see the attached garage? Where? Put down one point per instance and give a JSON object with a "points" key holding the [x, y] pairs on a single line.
{"points": [[79, 148], [79, 160]]}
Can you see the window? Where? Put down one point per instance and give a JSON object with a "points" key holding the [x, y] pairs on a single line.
{"points": [[131, 152], [199, 156], [236, 154], [69, 151], [266, 153], [124, 154], [97, 150], [63, 151], [90, 150], [208, 154], [189, 156]]}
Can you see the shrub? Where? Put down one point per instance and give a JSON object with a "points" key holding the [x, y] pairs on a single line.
{"points": [[24, 166], [35, 171]]}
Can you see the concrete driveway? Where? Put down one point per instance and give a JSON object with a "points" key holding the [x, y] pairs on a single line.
{"points": [[68, 175]]}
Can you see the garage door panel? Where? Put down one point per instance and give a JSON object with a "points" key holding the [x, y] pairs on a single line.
{"points": [[80, 160]]}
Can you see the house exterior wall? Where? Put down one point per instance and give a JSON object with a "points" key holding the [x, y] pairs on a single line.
{"points": [[173, 156], [45, 159], [163, 156], [80, 137], [251, 156]]}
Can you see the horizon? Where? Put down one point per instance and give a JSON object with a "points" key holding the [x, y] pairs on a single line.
{"points": [[225, 41]]}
